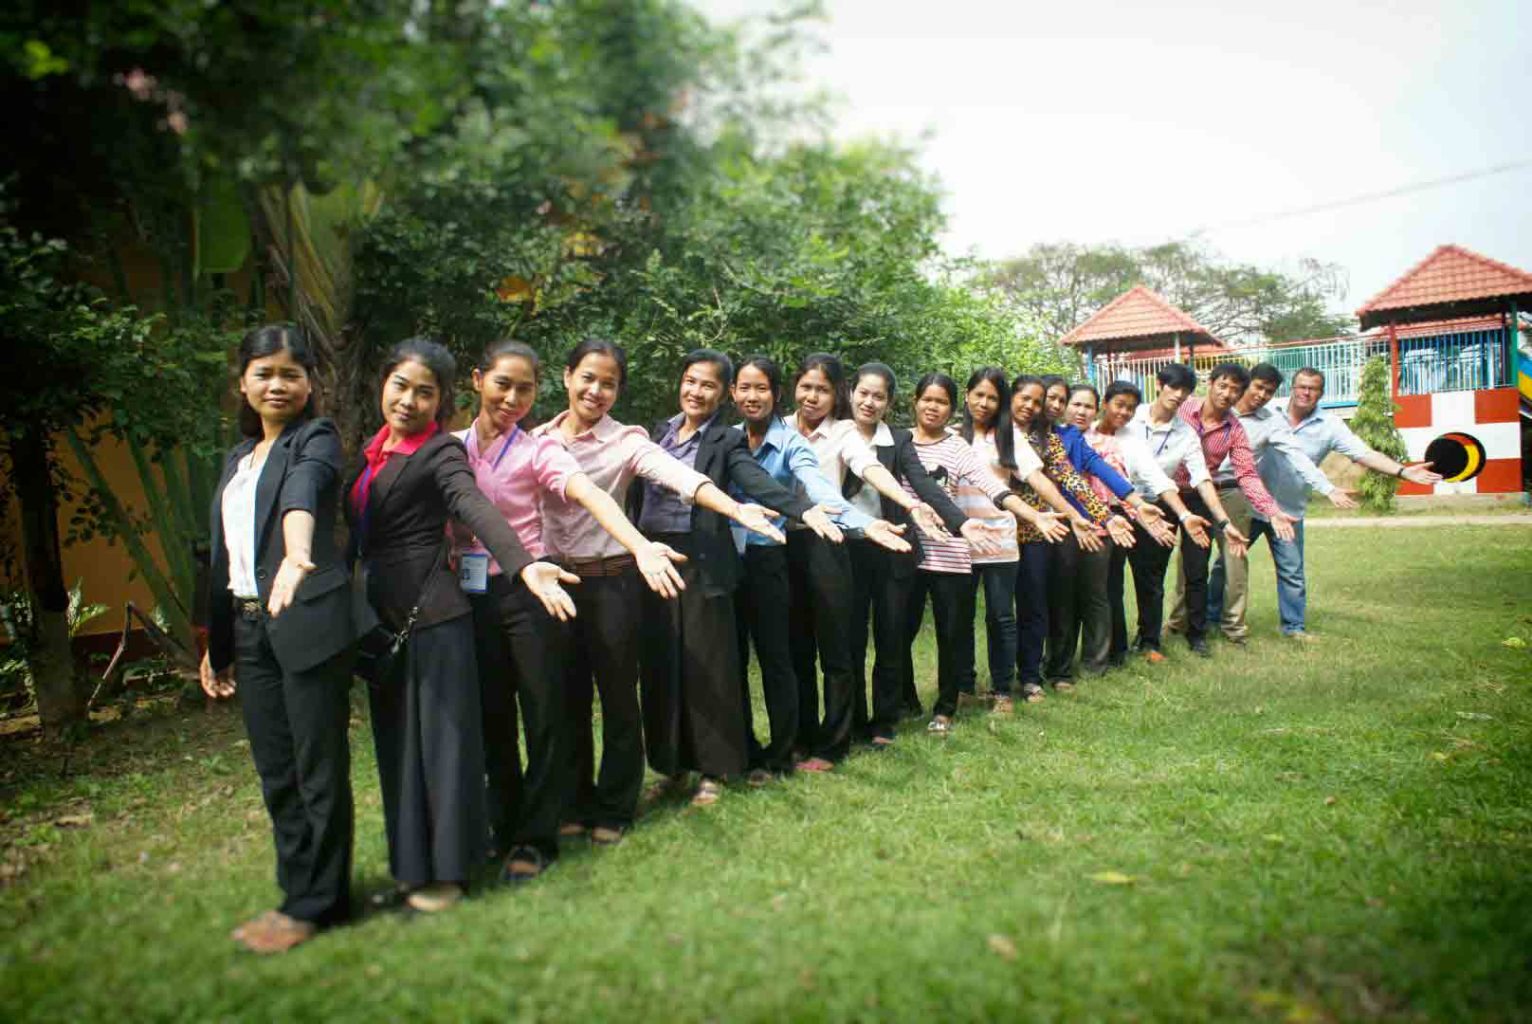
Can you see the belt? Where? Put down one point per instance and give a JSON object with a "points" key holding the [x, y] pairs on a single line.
{"points": [[616, 565], [249, 608]]}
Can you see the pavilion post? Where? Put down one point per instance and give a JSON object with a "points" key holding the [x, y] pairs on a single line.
{"points": [[1393, 360]]}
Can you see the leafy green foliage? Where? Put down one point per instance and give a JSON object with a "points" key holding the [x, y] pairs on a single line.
{"points": [[1374, 424], [1063, 283]]}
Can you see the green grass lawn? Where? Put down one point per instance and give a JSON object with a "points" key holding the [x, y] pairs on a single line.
{"points": [[1337, 832]]}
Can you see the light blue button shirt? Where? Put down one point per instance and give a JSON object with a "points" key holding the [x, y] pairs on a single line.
{"points": [[1317, 435], [787, 456]]}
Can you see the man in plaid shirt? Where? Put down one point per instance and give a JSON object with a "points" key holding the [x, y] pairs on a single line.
{"points": [[1223, 439]]}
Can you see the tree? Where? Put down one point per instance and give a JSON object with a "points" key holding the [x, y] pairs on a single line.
{"points": [[1374, 424], [1062, 284]]}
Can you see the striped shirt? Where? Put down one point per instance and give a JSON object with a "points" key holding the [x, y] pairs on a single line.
{"points": [[1227, 441], [951, 463]]}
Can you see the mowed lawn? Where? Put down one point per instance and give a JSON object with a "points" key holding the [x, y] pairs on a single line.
{"points": [[1336, 832]]}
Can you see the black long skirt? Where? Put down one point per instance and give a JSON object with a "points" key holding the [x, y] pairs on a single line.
{"points": [[427, 732]]}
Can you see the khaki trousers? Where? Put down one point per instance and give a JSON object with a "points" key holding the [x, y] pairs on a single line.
{"points": [[1236, 572]]}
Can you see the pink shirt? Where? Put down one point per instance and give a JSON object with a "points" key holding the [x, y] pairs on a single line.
{"points": [[1110, 449], [611, 454], [973, 489], [514, 473]]}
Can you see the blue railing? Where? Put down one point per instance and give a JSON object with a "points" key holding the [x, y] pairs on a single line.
{"points": [[1460, 361]]}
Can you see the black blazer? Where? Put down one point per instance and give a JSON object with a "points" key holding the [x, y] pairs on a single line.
{"points": [[302, 472], [902, 460], [408, 507], [723, 456]]}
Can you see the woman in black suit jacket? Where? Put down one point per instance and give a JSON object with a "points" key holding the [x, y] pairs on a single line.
{"points": [[692, 703], [426, 722], [280, 624]]}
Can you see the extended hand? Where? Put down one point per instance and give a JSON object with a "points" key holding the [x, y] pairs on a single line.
{"points": [[654, 563], [885, 534], [218, 685], [930, 523], [1121, 532], [285, 587], [543, 579], [759, 520], [1420, 473], [985, 538], [1341, 498], [1085, 536], [1281, 525], [1196, 528], [1149, 513], [1052, 526], [818, 520], [1231, 535]]}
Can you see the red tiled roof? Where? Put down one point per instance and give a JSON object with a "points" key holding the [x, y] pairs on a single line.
{"points": [[1450, 274], [1136, 313]]}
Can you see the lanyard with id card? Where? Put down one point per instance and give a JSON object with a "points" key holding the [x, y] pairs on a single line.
{"points": [[473, 567]]}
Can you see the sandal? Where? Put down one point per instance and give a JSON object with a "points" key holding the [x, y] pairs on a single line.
{"points": [[572, 830], [1032, 693], [275, 932], [708, 792], [607, 835], [941, 725], [882, 742], [524, 864], [1063, 686], [814, 764], [434, 898], [1003, 706]]}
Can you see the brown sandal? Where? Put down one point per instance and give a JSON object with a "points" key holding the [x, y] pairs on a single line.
{"points": [[274, 932], [708, 793]]}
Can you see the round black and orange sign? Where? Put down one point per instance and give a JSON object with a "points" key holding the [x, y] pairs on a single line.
{"points": [[1456, 456]]}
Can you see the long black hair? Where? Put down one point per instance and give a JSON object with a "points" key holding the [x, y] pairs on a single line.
{"points": [[1038, 428], [835, 372], [1005, 446], [710, 355], [268, 341], [600, 346], [433, 355], [773, 372]]}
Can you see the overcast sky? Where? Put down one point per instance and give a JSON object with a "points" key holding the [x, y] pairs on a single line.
{"points": [[1142, 122]]}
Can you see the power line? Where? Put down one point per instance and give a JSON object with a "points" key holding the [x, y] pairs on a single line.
{"points": [[1372, 197]]}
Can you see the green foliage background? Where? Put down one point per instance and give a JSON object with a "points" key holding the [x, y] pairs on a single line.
{"points": [[1374, 424]]}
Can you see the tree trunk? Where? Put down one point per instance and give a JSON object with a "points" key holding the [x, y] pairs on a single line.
{"points": [[60, 698]]}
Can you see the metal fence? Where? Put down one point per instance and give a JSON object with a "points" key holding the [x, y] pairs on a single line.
{"points": [[1458, 361]]}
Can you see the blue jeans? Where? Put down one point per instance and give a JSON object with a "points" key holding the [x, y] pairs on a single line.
{"points": [[999, 582], [1292, 591]]}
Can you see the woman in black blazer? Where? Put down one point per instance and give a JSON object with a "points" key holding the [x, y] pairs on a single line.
{"points": [[279, 624], [413, 476], [689, 663]]}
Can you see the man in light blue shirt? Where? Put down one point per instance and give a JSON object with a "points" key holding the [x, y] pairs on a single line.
{"points": [[1307, 434]]}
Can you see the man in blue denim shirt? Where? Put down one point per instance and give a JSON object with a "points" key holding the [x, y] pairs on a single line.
{"points": [[1316, 433]]}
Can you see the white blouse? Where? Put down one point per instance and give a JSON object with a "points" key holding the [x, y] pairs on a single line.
{"points": [[239, 526]]}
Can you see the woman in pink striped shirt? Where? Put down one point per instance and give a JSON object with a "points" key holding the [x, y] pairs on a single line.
{"points": [[946, 565]]}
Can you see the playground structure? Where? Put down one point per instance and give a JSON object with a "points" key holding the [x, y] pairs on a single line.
{"points": [[1451, 328]]}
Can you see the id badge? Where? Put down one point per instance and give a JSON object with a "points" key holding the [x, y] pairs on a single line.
{"points": [[473, 573]]}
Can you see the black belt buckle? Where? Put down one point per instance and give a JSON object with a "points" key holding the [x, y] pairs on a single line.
{"points": [[249, 608]]}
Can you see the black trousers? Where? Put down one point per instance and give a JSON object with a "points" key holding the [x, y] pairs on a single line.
{"points": [[1077, 607], [880, 585], [297, 724], [521, 654], [603, 658], [1114, 596], [1032, 610], [758, 609], [1194, 570], [429, 738], [1149, 561], [820, 636], [689, 671], [952, 606]]}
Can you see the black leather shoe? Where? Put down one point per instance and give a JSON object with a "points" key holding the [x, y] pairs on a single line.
{"points": [[1199, 647]]}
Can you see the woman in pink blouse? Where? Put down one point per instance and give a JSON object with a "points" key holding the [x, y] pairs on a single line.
{"points": [[522, 649], [604, 655]]}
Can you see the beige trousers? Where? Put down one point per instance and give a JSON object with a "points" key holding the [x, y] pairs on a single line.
{"points": [[1236, 573]]}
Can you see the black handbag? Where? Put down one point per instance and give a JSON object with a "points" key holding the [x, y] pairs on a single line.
{"points": [[380, 650]]}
